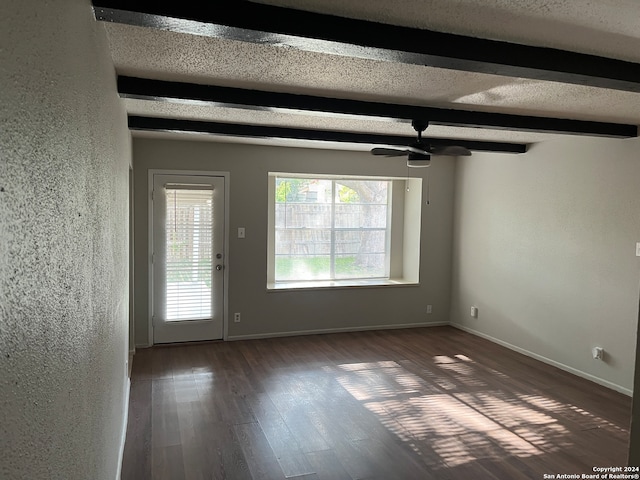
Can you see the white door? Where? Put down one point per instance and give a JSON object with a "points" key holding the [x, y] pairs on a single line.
{"points": [[187, 258]]}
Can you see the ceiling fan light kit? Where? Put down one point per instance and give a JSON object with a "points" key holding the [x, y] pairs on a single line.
{"points": [[418, 162]]}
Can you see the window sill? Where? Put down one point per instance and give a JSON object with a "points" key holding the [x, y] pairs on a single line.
{"points": [[340, 284]]}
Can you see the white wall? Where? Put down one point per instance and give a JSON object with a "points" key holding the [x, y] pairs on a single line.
{"points": [[283, 312], [64, 159], [545, 247]]}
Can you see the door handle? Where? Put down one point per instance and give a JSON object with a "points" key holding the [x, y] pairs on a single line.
{"points": [[219, 267]]}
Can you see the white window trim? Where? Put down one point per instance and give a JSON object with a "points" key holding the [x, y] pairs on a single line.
{"points": [[404, 232]]}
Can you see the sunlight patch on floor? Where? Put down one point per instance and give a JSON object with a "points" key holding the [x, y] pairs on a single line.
{"points": [[460, 426]]}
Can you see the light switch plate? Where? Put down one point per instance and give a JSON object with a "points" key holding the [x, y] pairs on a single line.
{"points": [[241, 232], [637, 249]]}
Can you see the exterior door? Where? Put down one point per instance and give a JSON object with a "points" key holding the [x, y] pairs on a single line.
{"points": [[187, 258]]}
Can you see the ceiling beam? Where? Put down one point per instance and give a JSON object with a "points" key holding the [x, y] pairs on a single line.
{"points": [[147, 89], [260, 131], [265, 24]]}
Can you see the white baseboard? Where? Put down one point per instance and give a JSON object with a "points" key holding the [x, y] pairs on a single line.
{"points": [[321, 331], [561, 366], [125, 420]]}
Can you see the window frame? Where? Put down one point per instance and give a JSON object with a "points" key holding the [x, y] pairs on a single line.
{"points": [[402, 232]]}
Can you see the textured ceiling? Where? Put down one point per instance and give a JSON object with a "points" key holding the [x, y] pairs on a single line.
{"points": [[607, 28]]}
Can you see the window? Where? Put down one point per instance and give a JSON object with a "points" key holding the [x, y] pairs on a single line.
{"points": [[188, 227], [335, 231], [329, 229]]}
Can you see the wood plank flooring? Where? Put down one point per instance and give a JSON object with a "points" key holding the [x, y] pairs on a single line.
{"points": [[430, 403]]}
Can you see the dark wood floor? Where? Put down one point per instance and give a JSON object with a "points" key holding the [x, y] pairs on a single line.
{"points": [[403, 404]]}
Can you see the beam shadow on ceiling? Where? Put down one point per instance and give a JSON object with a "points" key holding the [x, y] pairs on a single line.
{"points": [[266, 24], [159, 90], [260, 131]]}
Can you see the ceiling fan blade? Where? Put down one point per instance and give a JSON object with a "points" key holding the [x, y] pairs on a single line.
{"points": [[451, 150], [389, 152], [418, 149]]}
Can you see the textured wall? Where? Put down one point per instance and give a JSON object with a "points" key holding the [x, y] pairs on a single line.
{"points": [[294, 311], [545, 247], [64, 160]]}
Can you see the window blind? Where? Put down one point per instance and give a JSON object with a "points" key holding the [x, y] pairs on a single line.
{"points": [[188, 227]]}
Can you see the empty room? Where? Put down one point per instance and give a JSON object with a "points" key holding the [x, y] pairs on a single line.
{"points": [[319, 240]]}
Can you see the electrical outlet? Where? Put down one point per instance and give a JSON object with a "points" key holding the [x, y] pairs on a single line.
{"points": [[598, 353], [236, 317], [637, 249], [474, 312], [429, 309]]}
